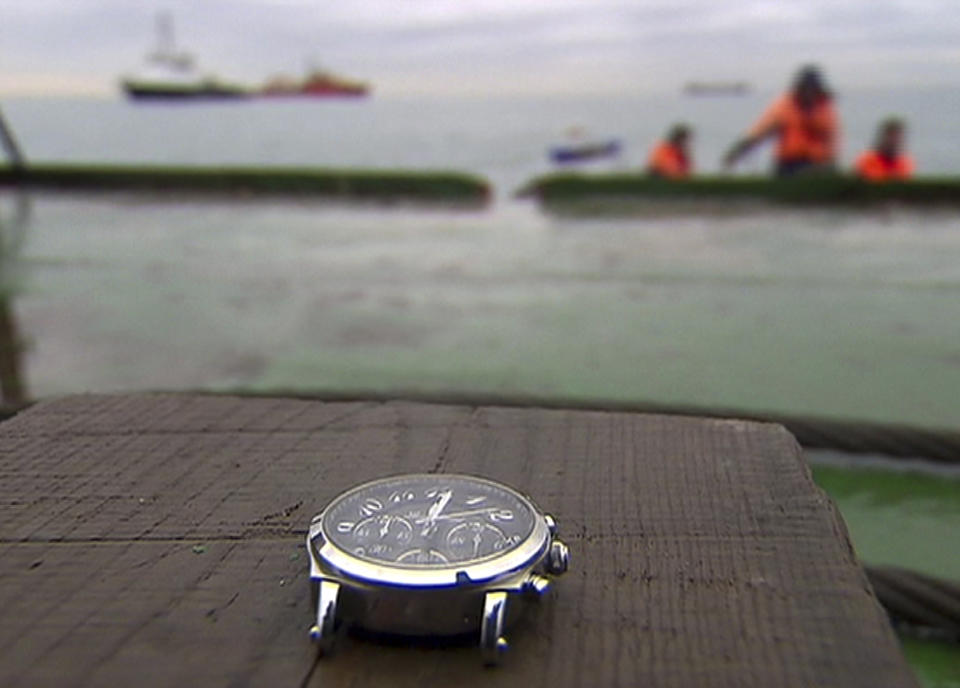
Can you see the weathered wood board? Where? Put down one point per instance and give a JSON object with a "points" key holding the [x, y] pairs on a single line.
{"points": [[158, 541]]}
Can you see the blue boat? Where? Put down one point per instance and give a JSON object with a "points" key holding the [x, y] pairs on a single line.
{"points": [[585, 151]]}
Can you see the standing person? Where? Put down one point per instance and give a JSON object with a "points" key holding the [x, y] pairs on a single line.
{"points": [[670, 158], [805, 124], [886, 160]]}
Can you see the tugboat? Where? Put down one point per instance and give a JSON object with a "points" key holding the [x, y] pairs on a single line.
{"points": [[172, 74]]}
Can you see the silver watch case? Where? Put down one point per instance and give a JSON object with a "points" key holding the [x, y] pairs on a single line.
{"points": [[484, 596]]}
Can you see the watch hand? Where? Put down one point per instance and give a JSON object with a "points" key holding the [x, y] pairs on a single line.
{"points": [[464, 514], [439, 505], [458, 514], [434, 511]]}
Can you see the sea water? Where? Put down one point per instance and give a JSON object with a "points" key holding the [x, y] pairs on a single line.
{"points": [[826, 312]]}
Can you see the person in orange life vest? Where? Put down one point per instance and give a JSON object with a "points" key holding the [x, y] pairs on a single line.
{"points": [[670, 158], [805, 124], [886, 160]]}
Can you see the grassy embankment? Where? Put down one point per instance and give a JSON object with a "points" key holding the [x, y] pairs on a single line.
{"points": [[433, 187]]}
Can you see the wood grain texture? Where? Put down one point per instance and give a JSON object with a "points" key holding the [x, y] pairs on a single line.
{"points": [[157, 540]]}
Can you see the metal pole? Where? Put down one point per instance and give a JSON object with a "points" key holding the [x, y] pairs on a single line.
{"points": [[13, 387], [17, 160]]}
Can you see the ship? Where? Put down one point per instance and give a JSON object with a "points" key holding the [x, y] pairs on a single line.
{"points": [[716, 88], [318, 83], [172, 74]]}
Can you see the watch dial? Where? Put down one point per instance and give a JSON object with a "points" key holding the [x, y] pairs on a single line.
{"points": [[428, 520]]}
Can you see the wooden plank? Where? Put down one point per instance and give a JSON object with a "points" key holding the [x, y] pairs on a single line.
{"points": [[158, 540]]}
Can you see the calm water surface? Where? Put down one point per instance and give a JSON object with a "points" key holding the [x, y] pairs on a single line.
{"points": [[817, 312]]}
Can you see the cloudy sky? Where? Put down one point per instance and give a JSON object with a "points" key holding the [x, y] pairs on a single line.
{"points": [[488, 46]]}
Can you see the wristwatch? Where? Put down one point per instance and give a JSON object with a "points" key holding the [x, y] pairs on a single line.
{"points": [[430, 555]]}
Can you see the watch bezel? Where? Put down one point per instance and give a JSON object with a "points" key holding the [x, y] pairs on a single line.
{"points": [[348, 565]]}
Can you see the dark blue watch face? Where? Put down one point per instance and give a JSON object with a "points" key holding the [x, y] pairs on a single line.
{"points": [[429, 520]]}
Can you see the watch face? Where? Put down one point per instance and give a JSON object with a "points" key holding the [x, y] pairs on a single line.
{"points": [[429, 521]]}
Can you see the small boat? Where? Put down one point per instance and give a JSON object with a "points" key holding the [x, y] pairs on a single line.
{"points": [[317, 83], [171, 74], [582, 152]]}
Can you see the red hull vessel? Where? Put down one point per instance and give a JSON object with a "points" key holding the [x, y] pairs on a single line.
{"points": [[317, 84]]}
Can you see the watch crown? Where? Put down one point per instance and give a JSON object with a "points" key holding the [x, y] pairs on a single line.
{"points": [[558, 557]]}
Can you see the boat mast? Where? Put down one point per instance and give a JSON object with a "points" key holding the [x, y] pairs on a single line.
{"points": [[166, 52]]}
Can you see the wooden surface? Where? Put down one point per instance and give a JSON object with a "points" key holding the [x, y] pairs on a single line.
{"points": [[157, 540]]}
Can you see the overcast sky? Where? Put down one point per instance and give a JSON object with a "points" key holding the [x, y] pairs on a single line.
{"points": [[488, 46]]}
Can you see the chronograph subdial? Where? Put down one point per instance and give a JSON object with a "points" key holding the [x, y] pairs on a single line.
{"points": [[422, 555], [388, 529], [475, 538]]}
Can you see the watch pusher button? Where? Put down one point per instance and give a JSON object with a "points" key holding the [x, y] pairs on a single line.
{"points": [[558, 558], [551, 524], [537, 584]]}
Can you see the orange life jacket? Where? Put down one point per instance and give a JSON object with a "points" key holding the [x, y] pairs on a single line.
{"points": [[876, 167], [809, 135], [668, 160]]}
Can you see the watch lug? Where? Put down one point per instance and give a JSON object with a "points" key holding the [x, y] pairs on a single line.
{"points": [[492, 643], [323, 631], [316, 526]]}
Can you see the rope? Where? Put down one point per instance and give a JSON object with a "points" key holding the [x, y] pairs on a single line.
{"points": [[914, 601]]}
